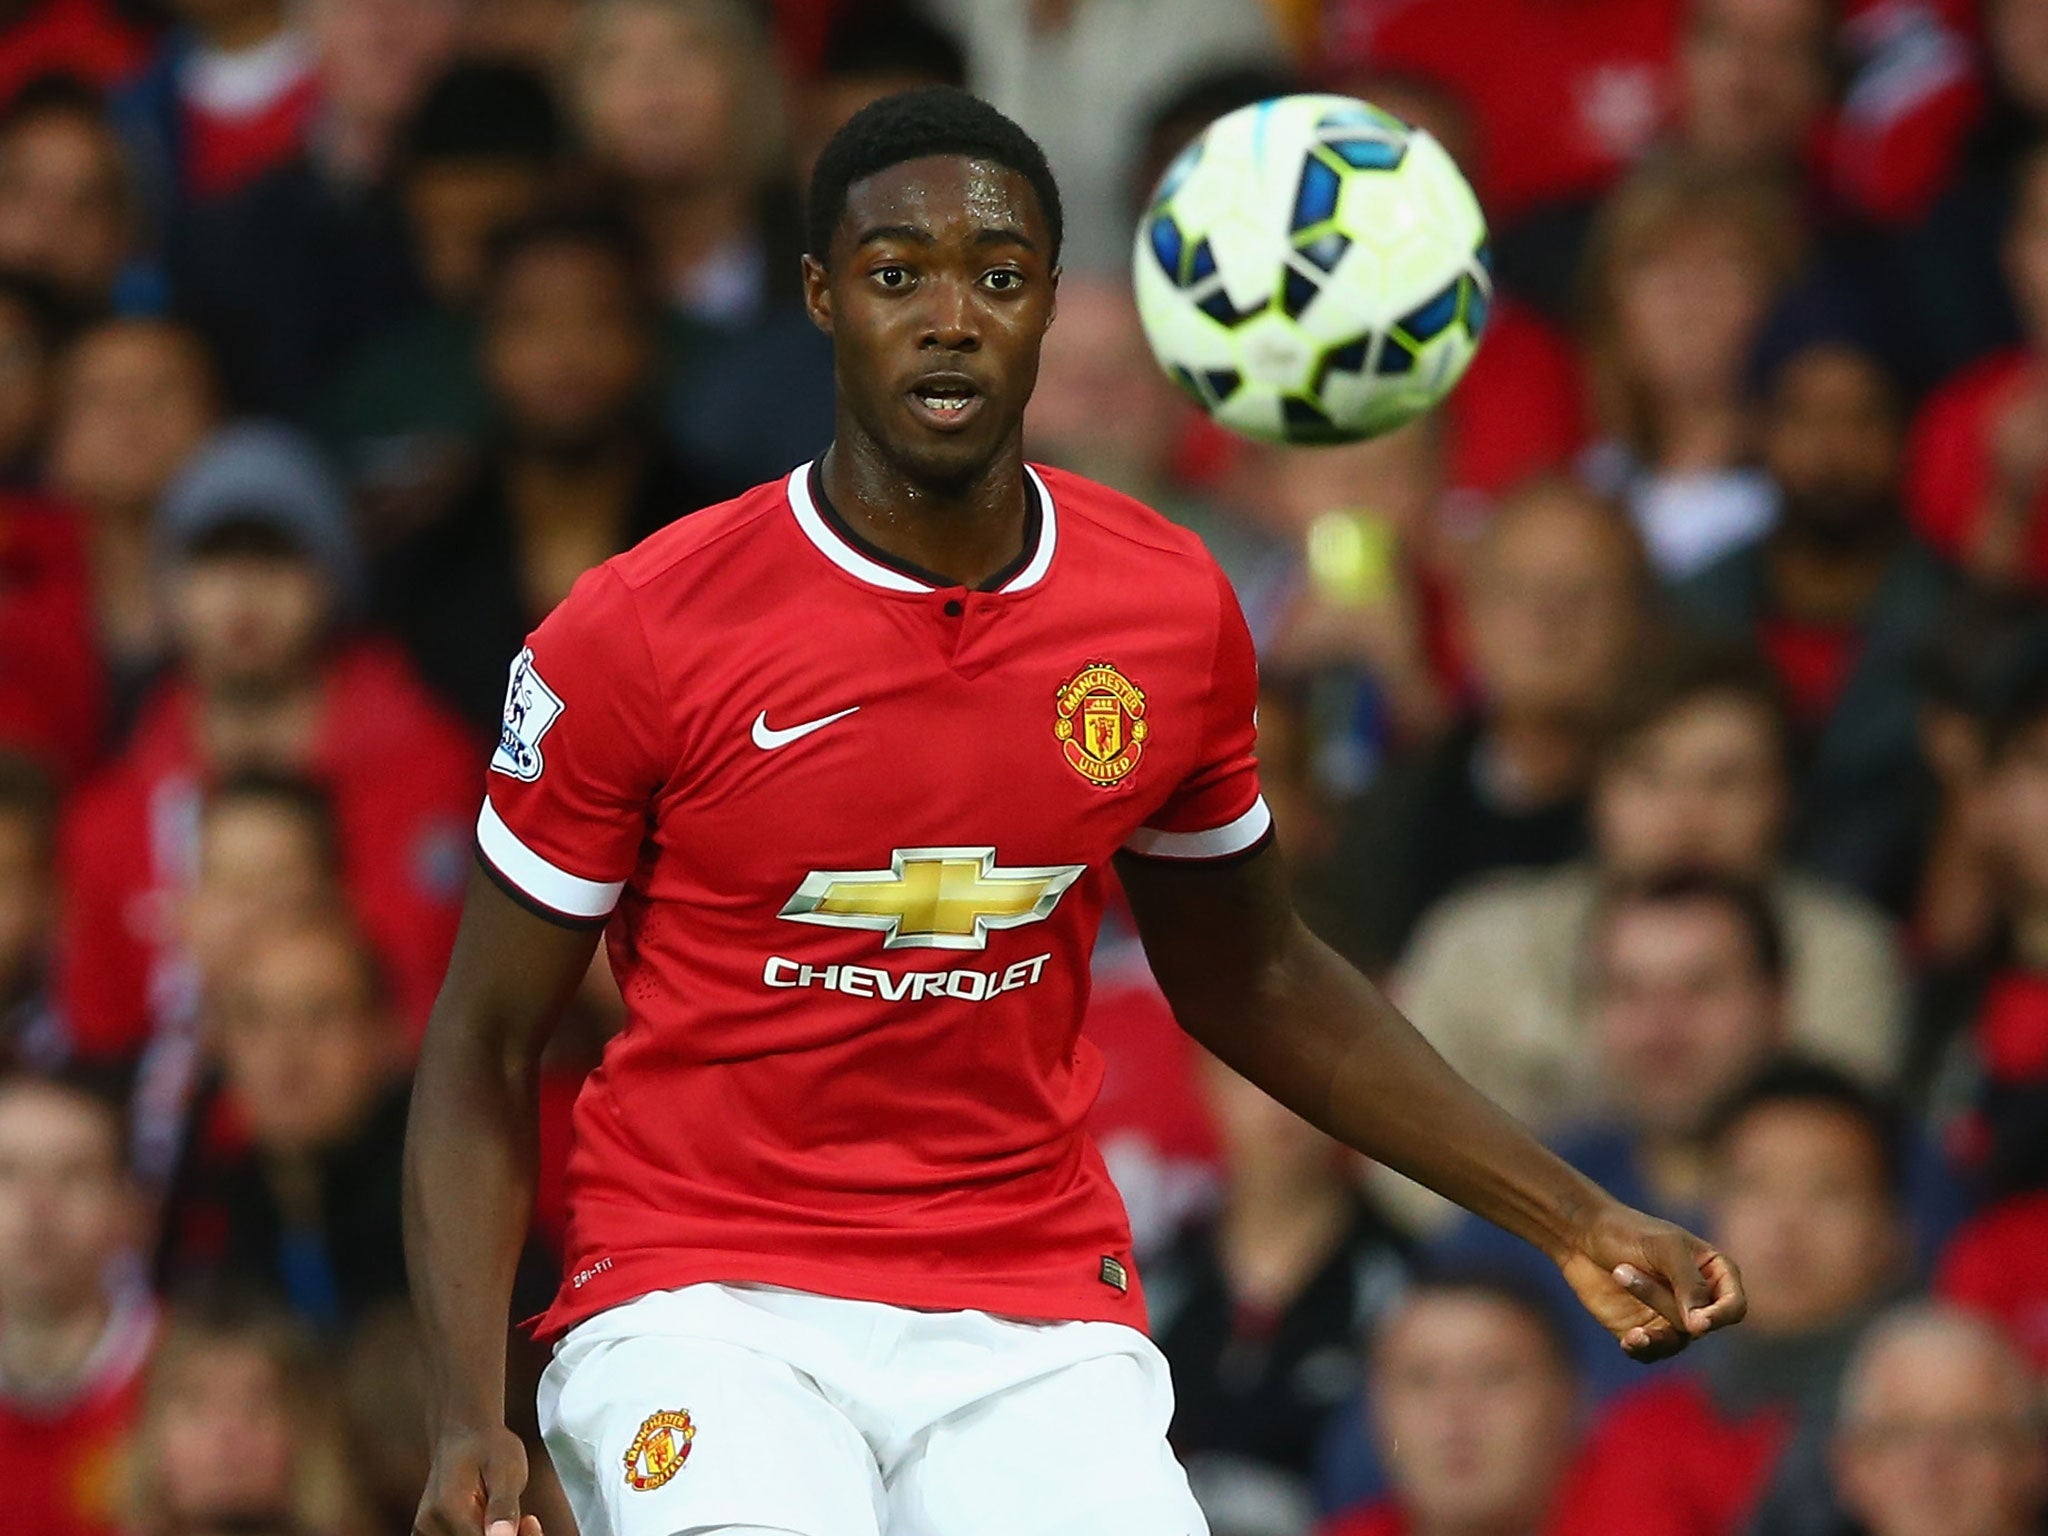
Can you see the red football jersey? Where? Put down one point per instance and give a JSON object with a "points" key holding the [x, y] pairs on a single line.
{"points": [[849, 827]]}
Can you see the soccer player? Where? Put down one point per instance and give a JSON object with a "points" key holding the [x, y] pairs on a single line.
{"points": [[840, 768]]}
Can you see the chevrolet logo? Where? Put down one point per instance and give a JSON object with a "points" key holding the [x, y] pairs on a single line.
{"points": [[932, 898]]}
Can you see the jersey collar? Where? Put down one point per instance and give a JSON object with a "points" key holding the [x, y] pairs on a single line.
{"points": [[858, 558]]}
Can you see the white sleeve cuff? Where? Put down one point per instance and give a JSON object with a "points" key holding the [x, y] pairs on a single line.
{"points": [[529, 873], [1218, 843]]}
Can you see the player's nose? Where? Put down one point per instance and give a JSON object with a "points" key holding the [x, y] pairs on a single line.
{"points": [[952, 320]]}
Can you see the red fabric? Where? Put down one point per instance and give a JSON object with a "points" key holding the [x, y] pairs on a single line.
{"points": [[224, 154], [1519, 410], [65, 1468], [52, 686], [2012, 1028], [1704, 1479], [1994, 1265], [1567, 93], [1383, 1519], [1948, 469], [804, 1103], [1914, 94], [1813, 661], [84, 38], [403, 777]]}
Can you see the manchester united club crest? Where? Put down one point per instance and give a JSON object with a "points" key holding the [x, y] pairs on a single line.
{"points": [[659, 1450], [1101, 725]]}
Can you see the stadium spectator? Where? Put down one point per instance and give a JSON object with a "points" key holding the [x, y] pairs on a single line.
{"points": [[1940, 1431], [481, 153], [291, 274], [1553, 613], [1754, 80], [31, 1035], [1842, 602], [1686, 979], [74, 1335], [1262, 1310], [307, 1212], [1985, 1034], [68, 211], [267, 852], [50, 675], [1802, 1182], [238, 1432], [1684, 267], [1694, 775], [679, 103], [259, 572], [1474, 1411], [1566, 99], [870, 51], [1081, 77], [135, 399], [1977, 484], [229, 96], [575, 472], [91, 40]]}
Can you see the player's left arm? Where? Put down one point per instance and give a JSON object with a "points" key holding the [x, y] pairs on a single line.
{"points": [[1249, 981]]}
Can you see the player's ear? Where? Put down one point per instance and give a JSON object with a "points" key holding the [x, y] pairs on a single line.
{"points": [[1052, 310], [818, 294]]}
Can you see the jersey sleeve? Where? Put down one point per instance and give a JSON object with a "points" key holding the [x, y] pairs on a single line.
{"points": [[582, 747], [1217, 812]]}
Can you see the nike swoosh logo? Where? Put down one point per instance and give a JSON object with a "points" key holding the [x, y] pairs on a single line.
{"points": [[768, 739]]}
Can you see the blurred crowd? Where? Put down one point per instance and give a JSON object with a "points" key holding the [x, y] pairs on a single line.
{"points": [[1664, 721]]}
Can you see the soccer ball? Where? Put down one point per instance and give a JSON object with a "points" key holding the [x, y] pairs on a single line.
{"points": [[1313, 270]]}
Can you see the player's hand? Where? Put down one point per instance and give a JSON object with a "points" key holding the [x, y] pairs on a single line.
{"points": [[1654, 1286], [474, 1487]]}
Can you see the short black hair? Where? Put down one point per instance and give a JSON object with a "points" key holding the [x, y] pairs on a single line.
{"points": [[54, 96], [1745, 899], [1798, 1080], [29, 792], [937, 120], [585, 225], [1681, 672], [1447, 1277], [484, 111], [292, 793], [889, 39]]}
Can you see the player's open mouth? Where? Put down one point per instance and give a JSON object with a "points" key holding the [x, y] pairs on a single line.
{"points": [[946, 403]]}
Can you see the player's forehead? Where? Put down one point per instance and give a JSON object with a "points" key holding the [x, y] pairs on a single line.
{"points": [[945, 197]]}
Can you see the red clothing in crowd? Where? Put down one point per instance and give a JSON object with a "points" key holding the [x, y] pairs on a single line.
{"points": [[1949, 469], [1706, 1475], [1567, 92], [51, 681], [87, 39], [1993, 1265], [239, 119], [63, 1463], [1813, 662], [1912, 97], [404, 779], [1519, 410]]}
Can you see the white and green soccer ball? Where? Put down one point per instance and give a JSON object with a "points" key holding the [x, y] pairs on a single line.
{"points": [[1313, 270]]}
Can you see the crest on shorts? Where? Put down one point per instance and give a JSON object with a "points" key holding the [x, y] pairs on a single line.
{"points": [[659, 1450], [1100, 724]]}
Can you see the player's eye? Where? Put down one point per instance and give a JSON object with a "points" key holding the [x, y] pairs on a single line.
{"points": [[1003, 280], [894, 278]]}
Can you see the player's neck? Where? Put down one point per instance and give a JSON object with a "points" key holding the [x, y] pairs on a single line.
{"points": [[964, 532], [43, 1351]]}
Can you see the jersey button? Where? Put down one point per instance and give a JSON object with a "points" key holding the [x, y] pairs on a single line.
{"points": [[954, 608]]}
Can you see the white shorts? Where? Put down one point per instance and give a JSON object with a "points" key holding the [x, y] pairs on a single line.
{"points": [[742, 1406]]}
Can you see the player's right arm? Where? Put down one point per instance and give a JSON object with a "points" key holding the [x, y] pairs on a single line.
{"points": [[469, 1176], [587, 741]]}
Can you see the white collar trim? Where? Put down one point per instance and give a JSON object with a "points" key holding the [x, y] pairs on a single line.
{"points": [[854, 563]]}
